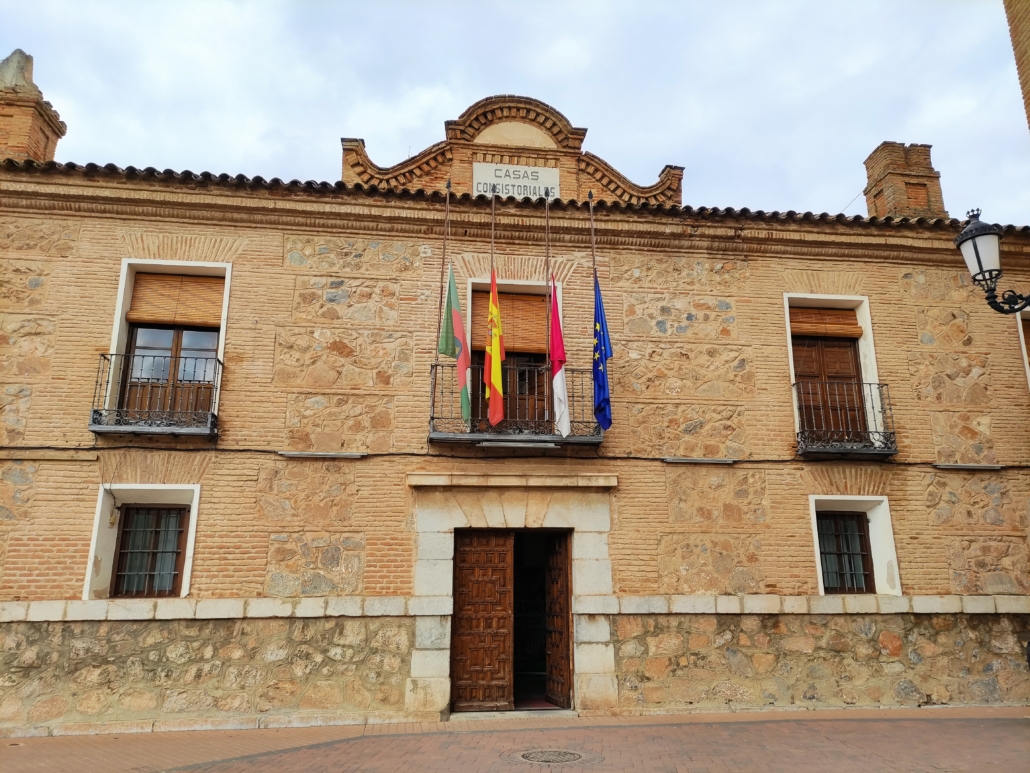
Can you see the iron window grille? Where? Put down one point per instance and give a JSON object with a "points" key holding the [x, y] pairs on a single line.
{"points": [[844, 553], [845, 417], [151, 551]]}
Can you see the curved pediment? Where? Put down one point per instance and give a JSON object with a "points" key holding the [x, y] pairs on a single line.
{"points": [[513, 139]]}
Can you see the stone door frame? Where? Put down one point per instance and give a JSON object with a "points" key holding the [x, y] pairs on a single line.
{"points": [[578, 502]]}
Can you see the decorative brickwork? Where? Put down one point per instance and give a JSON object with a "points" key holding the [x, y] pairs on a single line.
{"points": [[314, 563], [61, 673], [344, 359], [721, 497], [679, 316], [300, 493], [26, 346], [662, 370], [357, 256], [710, 563], [950, 379], [963, 438], [324, 299], [333, 423], [751, 661], [945, 328]]}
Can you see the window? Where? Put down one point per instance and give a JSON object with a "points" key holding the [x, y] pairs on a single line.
{"points": [[169, 369], [151, 551], [844, 552], [839, 409]]}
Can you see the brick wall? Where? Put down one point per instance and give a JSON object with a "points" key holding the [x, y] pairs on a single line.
{"points": [[1018, 13]]}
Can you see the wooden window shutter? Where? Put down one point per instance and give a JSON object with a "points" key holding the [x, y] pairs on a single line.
{"points": [[523, 321], [834, 323], [171, 299]]}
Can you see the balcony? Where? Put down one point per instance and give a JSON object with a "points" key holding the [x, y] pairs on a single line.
{"points": [[156, 395], [845, 417], [528, 408]]}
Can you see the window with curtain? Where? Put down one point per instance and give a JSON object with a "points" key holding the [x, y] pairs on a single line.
{"points": [[151, 551]]}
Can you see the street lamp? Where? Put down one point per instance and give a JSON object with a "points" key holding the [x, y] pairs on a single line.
{"points": [[980, 244]]}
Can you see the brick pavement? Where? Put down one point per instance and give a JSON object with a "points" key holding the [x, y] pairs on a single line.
{"points": [[901, 740]]}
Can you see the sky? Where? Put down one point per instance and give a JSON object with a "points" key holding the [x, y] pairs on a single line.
{"points": [[767, 105]]}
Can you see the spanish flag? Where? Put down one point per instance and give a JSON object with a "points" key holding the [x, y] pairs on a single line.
{"points": [[492, 376]]}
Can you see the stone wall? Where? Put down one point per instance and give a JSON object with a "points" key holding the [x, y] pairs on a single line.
{"points": [[817, 661], [181, 674]]}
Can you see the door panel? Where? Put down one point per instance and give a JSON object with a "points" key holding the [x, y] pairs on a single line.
{"points": [[481, 639], [558, 623], [829, 388]]}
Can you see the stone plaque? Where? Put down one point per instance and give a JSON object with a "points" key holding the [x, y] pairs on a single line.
{"points": [[506, 180]]}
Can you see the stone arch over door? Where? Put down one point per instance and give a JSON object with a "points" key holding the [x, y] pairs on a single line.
{"points": [[442, 503]]}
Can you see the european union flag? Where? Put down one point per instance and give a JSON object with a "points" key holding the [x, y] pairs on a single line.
{"points": [[602, 353]]}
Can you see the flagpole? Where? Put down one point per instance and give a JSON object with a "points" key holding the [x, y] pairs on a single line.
{"points": [[593, 244], [493, 220], [443, 264], [547, 272]]}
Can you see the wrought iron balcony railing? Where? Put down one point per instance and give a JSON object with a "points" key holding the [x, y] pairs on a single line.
{"points": [[845, 417], [528, 407], [156, 394]]}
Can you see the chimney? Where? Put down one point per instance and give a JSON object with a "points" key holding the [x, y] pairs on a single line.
{"points": [[903, 182], [29, 125]]}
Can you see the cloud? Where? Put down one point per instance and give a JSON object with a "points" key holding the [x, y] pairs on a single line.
{"points": [[768, 106]]}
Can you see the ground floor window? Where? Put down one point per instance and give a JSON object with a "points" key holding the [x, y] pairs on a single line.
{"points": [[151, 549], [844, 552]]}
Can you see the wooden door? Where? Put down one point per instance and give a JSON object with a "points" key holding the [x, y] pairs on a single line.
{"points": [[829, 386], [481, 637], [558, 622]]}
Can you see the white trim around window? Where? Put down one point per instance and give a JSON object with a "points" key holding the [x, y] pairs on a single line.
{"points": [[1024, 345], [100, 567], [881, 537]]}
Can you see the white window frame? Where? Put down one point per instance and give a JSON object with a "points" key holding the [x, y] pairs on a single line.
{"points": [[884, 555], [866, 347], [126, 282], [1023, 344], [106, 523]]}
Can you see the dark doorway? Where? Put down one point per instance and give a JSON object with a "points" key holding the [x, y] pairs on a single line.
{"points": [[512, 625]]}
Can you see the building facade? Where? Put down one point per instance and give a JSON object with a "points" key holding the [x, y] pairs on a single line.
{"points": [[236, 488]]}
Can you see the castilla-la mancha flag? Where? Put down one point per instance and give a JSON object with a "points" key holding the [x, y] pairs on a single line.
{"points": [[561, 391], [492, 375]]}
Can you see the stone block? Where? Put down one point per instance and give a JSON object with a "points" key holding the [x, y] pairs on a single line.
{"points": [[353, 256], [1013, 605], [579, 510], [384, 606], [95, 609], [990, 565], [826, 605], [431, 605], [175, 609], [687, 430], [766, 604], [794, 605], [219, 609], [45, 610], [595, 658], [893, 605], [343, 606], [433, 632], [592, 628], [950, 378], [265, 607], [322, 358], [307, 492], [706, 495], [692, 605], [430, 663], [433, 577], [136, 609], [435, 546], [860, 604], [315, 563], [728, 605], [310, 607], [595, 605], [643, 605], [329, 423], [427, 694], [351, 300], [978, 605], [597, 691], [962, 438], [590, 545], [710, 564], [659, 369], [12, 611], [591, 577], [438, 511], [679, 316], [936, 605]]}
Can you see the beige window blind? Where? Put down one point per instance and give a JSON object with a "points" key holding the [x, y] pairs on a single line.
{"points": [[172, 299], [834, 323], [523, 321]]}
